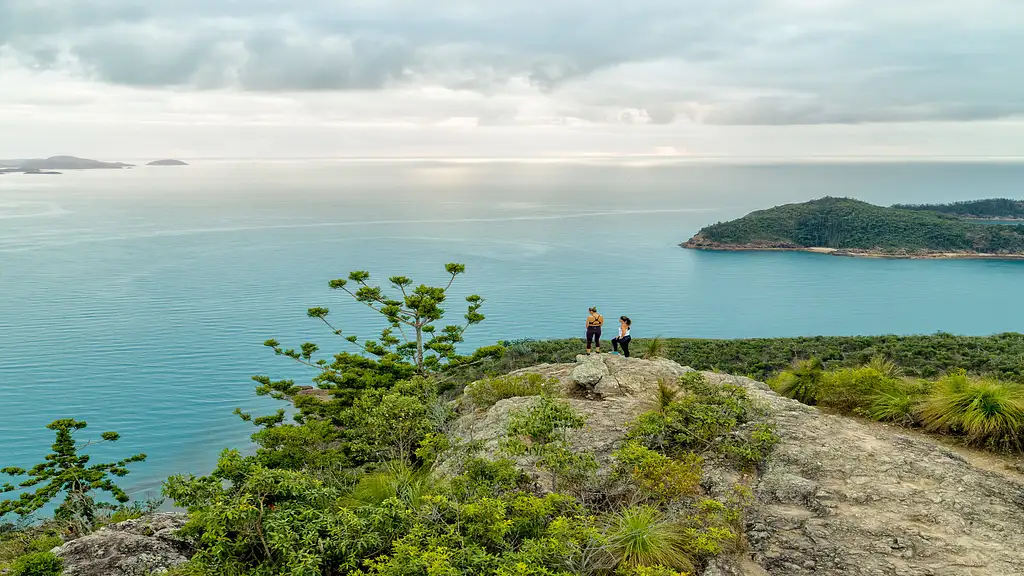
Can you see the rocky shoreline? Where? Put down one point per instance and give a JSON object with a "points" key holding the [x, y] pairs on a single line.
{"points": [[700, 243]]}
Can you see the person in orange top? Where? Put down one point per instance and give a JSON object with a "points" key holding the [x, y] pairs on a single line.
{"points": [[594, 323]]}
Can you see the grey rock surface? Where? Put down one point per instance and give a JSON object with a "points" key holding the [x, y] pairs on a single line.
{"points": [[139, 547], [837, 496]]}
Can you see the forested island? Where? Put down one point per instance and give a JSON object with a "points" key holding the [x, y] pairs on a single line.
{"points": [[848, 227]]}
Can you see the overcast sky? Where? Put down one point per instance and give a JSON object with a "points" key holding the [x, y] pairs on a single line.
{"points": [[242, 78]]}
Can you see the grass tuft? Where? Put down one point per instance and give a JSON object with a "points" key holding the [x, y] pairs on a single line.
{"points": [[654, 348], [801, 382], [987, 412], [644, 536]]}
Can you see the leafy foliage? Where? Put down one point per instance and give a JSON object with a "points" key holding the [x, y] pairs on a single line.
{"points": [[988, 208], [488, 391], [37, 564], [541, 430], [411, 336], [844, 223], [706, 418], [854, 389], [657, 476], [66, 471]]}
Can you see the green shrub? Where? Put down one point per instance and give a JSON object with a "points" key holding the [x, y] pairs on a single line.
{"points": [[801, 381], [644, 536], [37, 564], [749, 451], [545, 421], [852, 390], [485, 393], [44, 543], [657, 476], [897, 404], [988, 412]]}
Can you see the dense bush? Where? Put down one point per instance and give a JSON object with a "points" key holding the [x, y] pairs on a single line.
{"points": [[37, 564], [988, 208], [983, 411], [986, 412], [854, 389], [706, 418], [488, 391]]}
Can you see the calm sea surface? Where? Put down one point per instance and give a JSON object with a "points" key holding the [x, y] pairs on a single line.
{"points": [[139, 300]]}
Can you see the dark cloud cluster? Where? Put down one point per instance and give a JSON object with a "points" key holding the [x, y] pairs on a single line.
{"points": [[758, 62]]}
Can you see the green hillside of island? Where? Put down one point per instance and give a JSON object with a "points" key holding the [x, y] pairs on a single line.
{"points": [[988, 209], [846, 226]]}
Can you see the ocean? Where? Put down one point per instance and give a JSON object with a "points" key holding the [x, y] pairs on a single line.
{"points": [[138, 300]]}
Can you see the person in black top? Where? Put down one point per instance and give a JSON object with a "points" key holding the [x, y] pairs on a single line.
{"points": [[594, 323]]}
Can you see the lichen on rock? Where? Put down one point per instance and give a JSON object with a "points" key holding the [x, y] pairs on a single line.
{"points": [[144, 546]]}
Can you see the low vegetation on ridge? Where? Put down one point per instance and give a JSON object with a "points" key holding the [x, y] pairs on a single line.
{"points": [[982, 411]]}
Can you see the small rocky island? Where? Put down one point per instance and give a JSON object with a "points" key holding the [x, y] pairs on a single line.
{"points": [[168, 162], [848, 227], [69, 163]]}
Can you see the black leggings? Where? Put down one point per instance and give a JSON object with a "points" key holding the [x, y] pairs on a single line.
{"points": [[621, 341], [593, 335]]}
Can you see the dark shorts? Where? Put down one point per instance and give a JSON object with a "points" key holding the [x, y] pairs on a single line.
{"points": [[594, 335]]}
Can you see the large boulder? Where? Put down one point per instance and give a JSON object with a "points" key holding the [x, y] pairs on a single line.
{"points": [[148, 545]]}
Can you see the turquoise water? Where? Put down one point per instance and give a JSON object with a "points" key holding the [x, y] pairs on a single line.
{"points": [[138, 300]]}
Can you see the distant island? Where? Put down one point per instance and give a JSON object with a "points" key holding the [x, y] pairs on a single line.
{"points": [[168, 162], [847, 227], [70, 163]]}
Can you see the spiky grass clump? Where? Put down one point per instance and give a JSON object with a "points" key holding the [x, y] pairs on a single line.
{"points": [[896, 406], [654, 348], [667, 393], [396, 480], [884, 366], [987, 412], [800, 382], [643, 536]]}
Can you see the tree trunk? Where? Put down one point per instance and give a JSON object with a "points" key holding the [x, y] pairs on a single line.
{"points": [[419, 346]]}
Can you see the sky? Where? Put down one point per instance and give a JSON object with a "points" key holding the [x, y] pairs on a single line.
{"points": [[116, 79]]}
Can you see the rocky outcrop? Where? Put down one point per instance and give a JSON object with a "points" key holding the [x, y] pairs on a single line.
{"points": [[132, 548], [844, 497], [611, 391], [836, 497]]}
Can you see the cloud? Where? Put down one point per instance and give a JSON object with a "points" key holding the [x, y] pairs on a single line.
{"points": [[490, 63]]}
